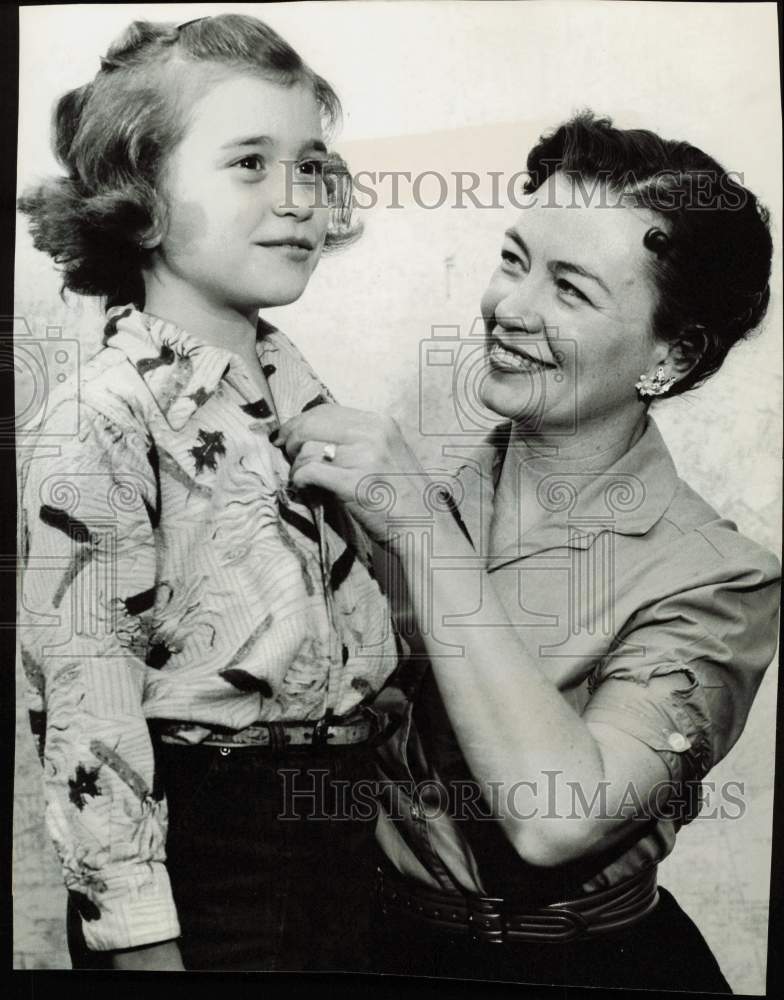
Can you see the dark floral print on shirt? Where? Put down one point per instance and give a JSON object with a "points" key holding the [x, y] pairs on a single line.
{"points": [[165, 357], [206, 453], [260, 409], [84, 782], [200, 396]]}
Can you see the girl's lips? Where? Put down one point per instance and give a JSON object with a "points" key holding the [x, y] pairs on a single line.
{"points": [[294, 251], [294, 241]]}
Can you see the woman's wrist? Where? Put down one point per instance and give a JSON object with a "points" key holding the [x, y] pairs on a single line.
{"points": [[406, 540]]}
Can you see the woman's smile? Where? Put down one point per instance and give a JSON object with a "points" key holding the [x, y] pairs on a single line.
{"points": [[507, 354]]}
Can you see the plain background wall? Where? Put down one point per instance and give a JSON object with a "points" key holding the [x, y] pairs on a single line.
{"points": [[470, 86]]}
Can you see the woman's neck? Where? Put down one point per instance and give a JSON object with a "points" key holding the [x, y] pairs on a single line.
{"points": [[530, 457], [579, 452]]}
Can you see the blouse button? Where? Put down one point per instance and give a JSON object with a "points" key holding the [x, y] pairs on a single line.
{"points": [[678, 741]]}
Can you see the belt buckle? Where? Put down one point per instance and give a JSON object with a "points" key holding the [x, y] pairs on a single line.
{"points": [[485, 923], [321, 731], [549, 923]]}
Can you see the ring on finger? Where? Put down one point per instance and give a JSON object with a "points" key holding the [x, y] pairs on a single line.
{"points": [[329, 452]]}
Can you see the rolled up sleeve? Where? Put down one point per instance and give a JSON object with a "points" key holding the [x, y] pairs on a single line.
{"points": [[682, 675]]}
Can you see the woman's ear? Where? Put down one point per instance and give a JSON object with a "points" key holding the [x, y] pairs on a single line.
{"points": [[673, 362], [685, 353]]}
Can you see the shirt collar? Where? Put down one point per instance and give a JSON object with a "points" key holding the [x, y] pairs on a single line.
{"points": [[182, 371], [628, 498]]}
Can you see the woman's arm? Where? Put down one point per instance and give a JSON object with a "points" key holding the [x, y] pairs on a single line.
{"points": [[511, 722]]}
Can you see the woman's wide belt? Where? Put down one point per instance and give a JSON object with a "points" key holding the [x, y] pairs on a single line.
{"points": [[497, 920]]}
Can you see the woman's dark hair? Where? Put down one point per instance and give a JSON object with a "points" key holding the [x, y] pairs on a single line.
{"points": [[710, 260], [112, 136]]}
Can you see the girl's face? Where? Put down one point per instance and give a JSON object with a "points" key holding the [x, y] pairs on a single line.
{"points": [[246, 209], [568, 313]]}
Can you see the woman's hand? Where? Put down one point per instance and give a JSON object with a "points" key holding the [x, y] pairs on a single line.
{"points": [[373, 471]]}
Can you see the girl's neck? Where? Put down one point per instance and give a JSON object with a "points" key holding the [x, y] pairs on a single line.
{"points": [[219, 326]]}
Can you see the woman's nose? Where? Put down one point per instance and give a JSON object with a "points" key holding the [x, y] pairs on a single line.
{"points": [[518, 317], [518, 309]]}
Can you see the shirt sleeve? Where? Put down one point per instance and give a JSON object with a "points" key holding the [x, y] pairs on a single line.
{"points": [[683, 673], [88, 558]]}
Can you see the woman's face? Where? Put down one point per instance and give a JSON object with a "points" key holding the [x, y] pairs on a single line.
{"points": [[568, 313], [246, 212]]}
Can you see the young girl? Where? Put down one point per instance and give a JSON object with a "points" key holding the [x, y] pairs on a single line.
{"points": [[202, 645]]}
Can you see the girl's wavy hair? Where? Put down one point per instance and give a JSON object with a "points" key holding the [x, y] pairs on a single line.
{"points": [[710, 260], [113, 134]]}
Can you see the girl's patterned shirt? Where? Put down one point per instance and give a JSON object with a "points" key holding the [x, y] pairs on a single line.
{"points": [[169, 573]]}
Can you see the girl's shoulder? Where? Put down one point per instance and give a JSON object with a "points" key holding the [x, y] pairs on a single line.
{"points": [[107, 388]]}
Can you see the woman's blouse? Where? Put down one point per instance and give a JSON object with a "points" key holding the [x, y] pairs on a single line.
{"points": [[169, 573], [649, 612]]}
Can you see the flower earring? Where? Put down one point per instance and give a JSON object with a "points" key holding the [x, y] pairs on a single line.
{"points": [[654, 385]]}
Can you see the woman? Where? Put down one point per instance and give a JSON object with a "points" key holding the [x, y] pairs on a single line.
{"points": [[598, 631], [202, 646]]}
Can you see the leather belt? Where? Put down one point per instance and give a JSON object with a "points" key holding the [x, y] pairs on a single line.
{"points": [[368, 729], [500, 921]]}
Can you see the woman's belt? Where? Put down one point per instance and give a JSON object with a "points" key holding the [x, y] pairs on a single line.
{"points": [[501, 921], [371, 729]]}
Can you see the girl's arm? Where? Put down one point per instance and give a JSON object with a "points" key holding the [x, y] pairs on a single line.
{"points": [[88, 584]]}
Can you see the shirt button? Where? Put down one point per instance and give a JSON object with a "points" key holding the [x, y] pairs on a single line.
{"points": [[678, 741]]}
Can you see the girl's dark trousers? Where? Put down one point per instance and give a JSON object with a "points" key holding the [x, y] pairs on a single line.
{"points": [[271, 858]]}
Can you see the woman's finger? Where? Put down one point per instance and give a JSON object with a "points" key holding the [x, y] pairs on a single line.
{"points": [[328, 422], [324, 476], [317, 451], [319, 424]]}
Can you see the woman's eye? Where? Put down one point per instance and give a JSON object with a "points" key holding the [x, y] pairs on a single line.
{"points": [[511, 259], [569, 289], [253, 162]]}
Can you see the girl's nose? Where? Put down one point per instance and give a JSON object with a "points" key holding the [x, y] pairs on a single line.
{"points": [[297, 197]]}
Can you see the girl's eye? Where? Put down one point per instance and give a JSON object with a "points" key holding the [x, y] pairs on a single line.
{"points": [[570, 290], [253, 162], [312, 168]]}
